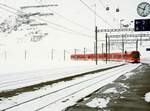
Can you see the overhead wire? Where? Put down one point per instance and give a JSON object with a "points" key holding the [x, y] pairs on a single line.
{"points": [[8, 10], [69, 20], [72, 31], [114, 5], [47, 26], [96, 14], [110, 14], [100, 1]]}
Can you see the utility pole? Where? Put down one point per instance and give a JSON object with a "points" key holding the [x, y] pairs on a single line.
{"points": [[75, 51], [96, 44], [141, 40], [84, 53], [122, 44], [137, 45], [109, 45], [102, 48], [106, 48], [84, 50], [94, 47], [95, 37]]}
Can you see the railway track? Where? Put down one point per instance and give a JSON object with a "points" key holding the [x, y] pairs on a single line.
{"points": [[72, 92], [23, 80]]}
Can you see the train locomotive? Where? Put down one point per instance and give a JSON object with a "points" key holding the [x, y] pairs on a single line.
{"points": [[132, 57]]}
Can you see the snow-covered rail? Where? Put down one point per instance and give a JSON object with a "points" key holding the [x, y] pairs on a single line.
{"points": [[70, 93], [19, 80]]}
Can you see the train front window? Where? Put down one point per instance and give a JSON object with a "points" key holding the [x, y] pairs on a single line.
{"points": [[135, 55]]}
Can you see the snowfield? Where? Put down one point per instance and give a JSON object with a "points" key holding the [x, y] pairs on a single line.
{"points": [[64, 94], [27, 77], [31, 53], [147, 97]]}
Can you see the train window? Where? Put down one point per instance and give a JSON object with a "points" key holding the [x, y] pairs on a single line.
{"points": [[147, 49], [136, 55]]}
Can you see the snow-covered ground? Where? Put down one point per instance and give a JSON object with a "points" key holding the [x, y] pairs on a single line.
{"points": [[25, 62], [13, 78], [64, 94], [147, 97], [98, 102]]}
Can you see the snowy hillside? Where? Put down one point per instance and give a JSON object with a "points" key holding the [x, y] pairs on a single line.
{"points": [[43, 31]]}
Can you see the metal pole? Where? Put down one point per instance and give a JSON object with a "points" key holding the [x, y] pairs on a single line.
{"points": [[75, 51], [106, 48], [84, 51], [95, 37], [141, 40], [109, 45], [122, 44], [137, 45], [102, 48], [96, 44], [94, 48]]}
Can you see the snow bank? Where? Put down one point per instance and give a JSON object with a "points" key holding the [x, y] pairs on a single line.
{"points": [[111, 90], [128, 75], [147, 97], [98, 102]]}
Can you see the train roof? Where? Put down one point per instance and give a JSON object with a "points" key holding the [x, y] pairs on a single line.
{"points": [[130, 52]]}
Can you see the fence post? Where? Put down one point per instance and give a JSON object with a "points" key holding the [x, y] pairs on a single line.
{"points": [[5, 54], [64, 54], [52, 54], [25, 54]]}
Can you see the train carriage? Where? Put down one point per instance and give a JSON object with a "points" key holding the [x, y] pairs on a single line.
{"points": [[133, 56]]}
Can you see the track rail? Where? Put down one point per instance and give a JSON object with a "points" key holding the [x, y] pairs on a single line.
{"points": [[37, 79]]}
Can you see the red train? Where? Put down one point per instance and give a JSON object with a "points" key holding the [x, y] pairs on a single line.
{"points": [[133, 56]]}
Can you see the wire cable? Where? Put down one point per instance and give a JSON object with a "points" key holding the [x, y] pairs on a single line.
{"points": [[72, 31], [47, 26], [69, 20], [96, 14], [109, 14], [100, 1]]}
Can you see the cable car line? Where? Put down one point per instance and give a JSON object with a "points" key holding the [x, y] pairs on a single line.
{"points": [[63, 27], [96, 14]]}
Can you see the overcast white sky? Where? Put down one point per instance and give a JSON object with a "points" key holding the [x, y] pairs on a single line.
{"points": [[73, 10]]}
